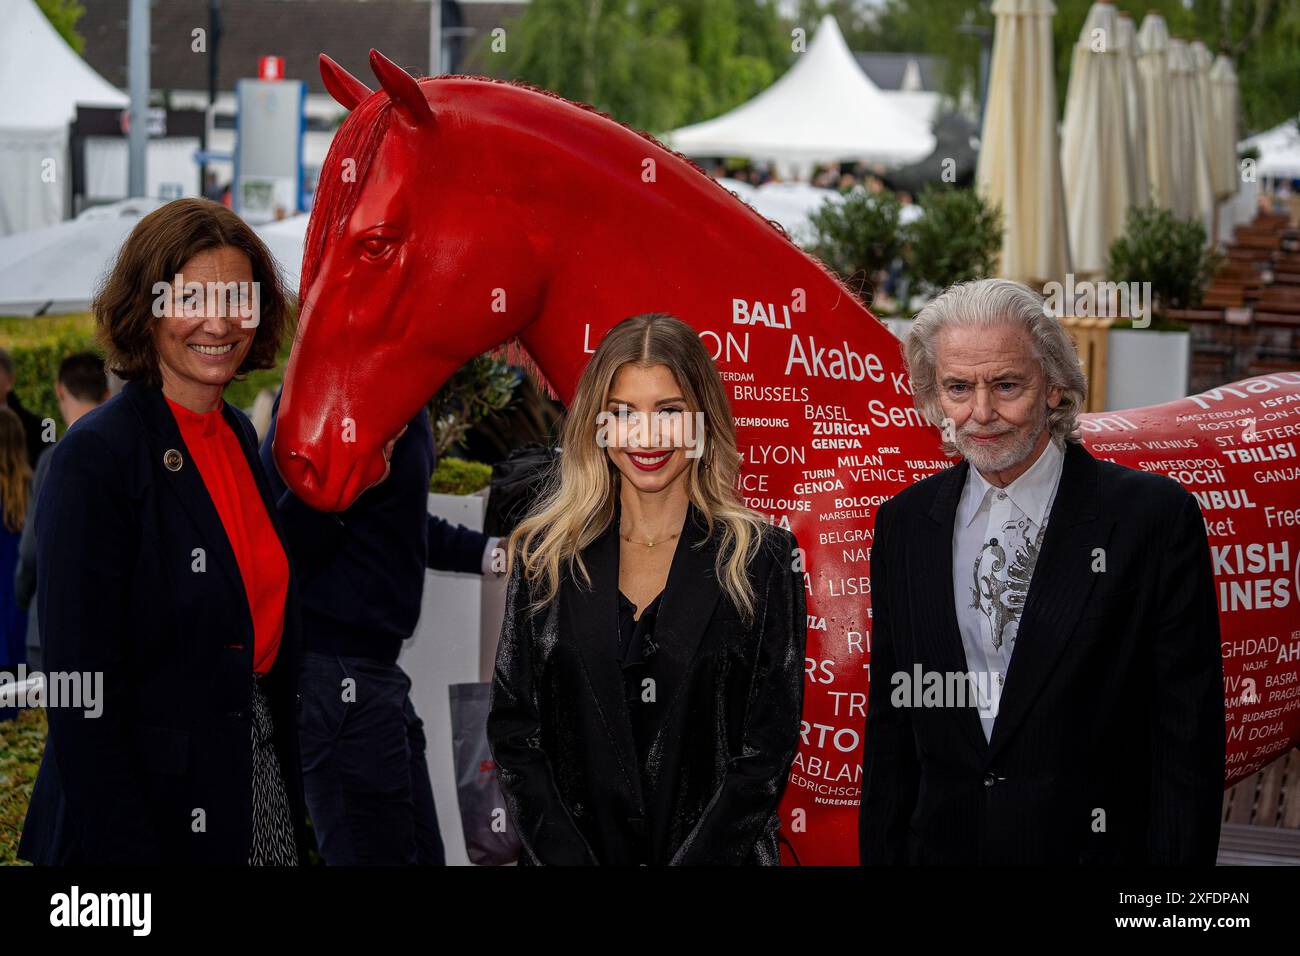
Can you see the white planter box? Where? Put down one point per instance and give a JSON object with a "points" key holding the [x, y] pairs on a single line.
{"points": [[1144, 367], [460, 619]]}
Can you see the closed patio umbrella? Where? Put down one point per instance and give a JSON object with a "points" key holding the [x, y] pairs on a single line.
{"points": [[1153, 74], [1096, 162], [1020, 157], [1187, 152], [1223, 86], [1204, 129], [1135, 113]]}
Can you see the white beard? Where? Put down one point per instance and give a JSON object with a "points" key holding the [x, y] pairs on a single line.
{"points": [[1013, 449]]}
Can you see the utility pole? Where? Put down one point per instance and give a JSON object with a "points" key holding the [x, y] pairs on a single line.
{"points": [[435, 37], [214, 55], [985, 36], [138, 83]]}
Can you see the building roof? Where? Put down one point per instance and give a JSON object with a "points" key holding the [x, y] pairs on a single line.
{"points": [[887, 70], [297, 30]]}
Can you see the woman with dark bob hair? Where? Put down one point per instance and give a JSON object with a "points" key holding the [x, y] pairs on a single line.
{"points": [[163, 583]]}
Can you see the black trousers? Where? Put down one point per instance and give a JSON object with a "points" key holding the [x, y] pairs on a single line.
{"points": [[364, 773]]}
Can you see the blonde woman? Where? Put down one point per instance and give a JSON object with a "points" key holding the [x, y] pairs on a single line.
{"points": [[649, 679]]}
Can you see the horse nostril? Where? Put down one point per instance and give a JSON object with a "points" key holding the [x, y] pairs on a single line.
{"points": [[299, 471]]}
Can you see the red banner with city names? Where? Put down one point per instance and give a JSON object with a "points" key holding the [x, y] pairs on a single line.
{"points": [[838, 436]]}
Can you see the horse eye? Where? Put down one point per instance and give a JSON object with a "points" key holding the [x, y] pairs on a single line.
{"points": [[375, 245]]}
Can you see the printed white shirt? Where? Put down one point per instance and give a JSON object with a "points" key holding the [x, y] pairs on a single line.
{"points": [[995, 542]]}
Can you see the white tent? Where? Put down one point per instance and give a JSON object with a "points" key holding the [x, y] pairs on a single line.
{"points": [[791, 205], [912, 97], [43, 82], [287, 238], [57, 269], [1279, 151], [824, 109]]}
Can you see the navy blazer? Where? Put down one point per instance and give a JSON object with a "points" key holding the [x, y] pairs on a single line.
{"points": [[361, 571], [137, 580]]}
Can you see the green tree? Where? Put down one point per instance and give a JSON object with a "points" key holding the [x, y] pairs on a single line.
{"points": [[1262, 36], [957, 238], [481, 387], [858, 238], [736, 49], [1168, 252], [653, 65], [859, 21], [937, 27], [63, 16]]}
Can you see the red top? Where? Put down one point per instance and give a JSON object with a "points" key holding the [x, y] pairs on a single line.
{"points": [[262, 564]]}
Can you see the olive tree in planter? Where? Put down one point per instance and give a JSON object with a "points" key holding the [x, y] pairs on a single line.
{"points": [[480, 388], [1170, 257], [858, 238], [460, 613], [957, 238]]}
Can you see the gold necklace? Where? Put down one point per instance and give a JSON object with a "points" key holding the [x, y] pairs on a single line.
{"points": [[648, 544]]}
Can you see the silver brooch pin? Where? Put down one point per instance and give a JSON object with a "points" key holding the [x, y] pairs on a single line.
{"points": [[172, 459]]}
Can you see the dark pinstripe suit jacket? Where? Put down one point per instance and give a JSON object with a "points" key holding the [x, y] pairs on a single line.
{"points": [[1109, 741]]}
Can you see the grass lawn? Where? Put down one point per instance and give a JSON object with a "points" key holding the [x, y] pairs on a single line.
{"points": [[21, 744]]}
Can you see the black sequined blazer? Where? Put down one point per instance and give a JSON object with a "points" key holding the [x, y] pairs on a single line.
{"points": [[726, 705]]}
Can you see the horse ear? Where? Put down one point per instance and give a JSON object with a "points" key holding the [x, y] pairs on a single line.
{"points": [[346, 89], [402, 89]]}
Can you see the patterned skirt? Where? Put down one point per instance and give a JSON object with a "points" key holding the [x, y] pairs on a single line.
{"points": [[273, 839]]}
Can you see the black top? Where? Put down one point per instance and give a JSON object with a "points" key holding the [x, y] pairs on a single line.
{"points": [[723, 733], [635, 635], [636, 654]]}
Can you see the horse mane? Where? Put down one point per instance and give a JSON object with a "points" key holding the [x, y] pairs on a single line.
{"points": [[359, 138]]}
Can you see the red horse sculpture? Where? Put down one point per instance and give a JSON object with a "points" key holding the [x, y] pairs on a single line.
{"points": [[456, 214]]}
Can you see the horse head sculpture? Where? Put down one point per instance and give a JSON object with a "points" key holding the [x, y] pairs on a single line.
{"points": [[455, 214]]}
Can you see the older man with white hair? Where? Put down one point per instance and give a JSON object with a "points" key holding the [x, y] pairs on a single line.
{"points": [[1046, 679]]}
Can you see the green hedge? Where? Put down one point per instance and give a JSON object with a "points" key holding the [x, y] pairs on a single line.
{"points": [[455, 476], [38, 346], [21, 743]]}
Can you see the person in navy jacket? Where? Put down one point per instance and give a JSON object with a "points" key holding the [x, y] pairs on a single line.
{"points": [[163, 581], [361, 576]]}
